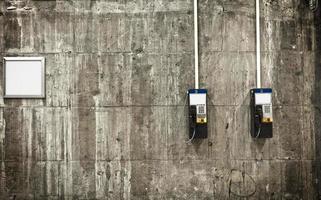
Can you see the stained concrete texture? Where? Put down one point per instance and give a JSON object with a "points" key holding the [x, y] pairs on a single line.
{"points": [[114, 121]]}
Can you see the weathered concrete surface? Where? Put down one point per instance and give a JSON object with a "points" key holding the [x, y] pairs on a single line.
{"points": [[113, 125]]}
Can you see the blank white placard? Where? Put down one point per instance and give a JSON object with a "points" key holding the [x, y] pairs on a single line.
{"points": [[24, 77], [263, 98], [197, 99]]}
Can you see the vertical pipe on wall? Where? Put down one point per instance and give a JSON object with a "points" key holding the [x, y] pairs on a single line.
{"points": [[196, 45], [258, 46]]}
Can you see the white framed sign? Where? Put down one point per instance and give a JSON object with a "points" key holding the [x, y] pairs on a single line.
{"points": [[24, 77]]}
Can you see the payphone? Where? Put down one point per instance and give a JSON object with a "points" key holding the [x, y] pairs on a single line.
{"points": [[261, 113], [197, 113]]}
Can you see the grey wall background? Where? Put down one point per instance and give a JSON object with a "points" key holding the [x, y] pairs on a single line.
{"points": [[113, 125]]}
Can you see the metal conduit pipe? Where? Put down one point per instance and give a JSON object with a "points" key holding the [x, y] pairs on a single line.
{"points": [[196, 60], [258, 46]]}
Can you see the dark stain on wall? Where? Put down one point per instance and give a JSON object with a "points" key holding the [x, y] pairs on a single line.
{"points": [[85, 131], [12, 31]]}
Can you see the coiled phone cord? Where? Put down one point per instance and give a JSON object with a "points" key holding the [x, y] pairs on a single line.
{"points": [[259, 132], [192, 138]]}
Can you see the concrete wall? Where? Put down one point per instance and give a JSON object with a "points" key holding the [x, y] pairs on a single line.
{"points": [[114, 125]]}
